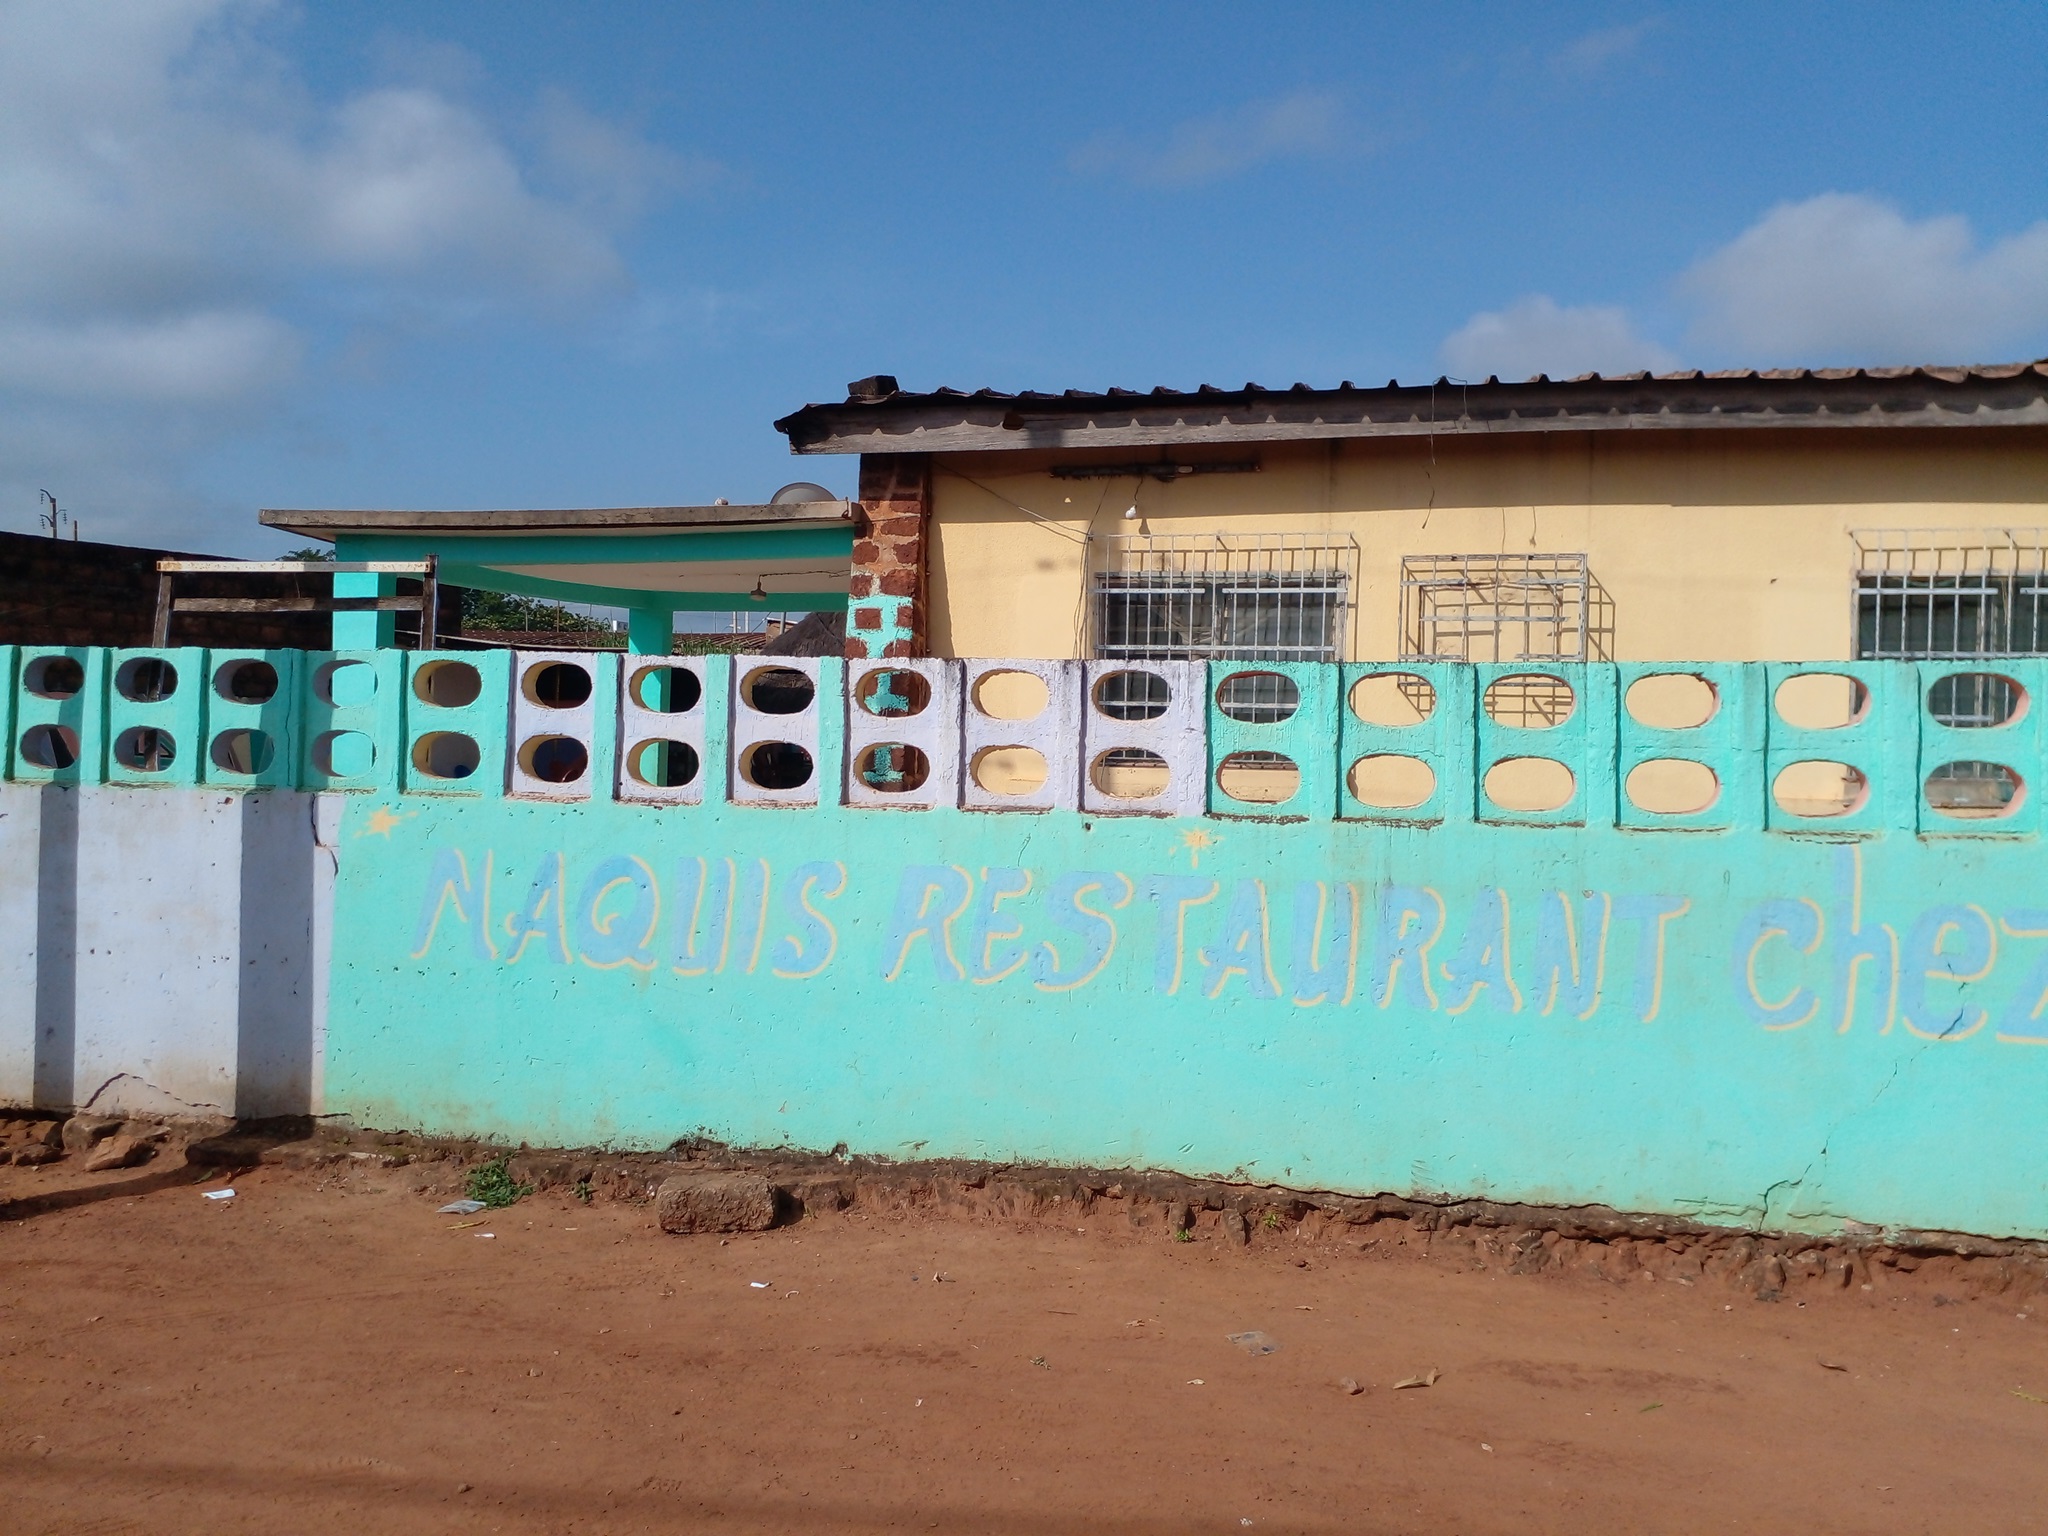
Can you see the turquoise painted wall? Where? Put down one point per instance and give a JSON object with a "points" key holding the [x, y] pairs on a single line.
{"points": [[1738, 1014]]}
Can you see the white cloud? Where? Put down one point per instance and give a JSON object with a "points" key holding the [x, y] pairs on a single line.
{"points": [[608, 169], [1589, 55], [1538, 335], [1304, 122], [409, 181], [1836, 279], [196, 358], [178, 210], [1845, 278]]}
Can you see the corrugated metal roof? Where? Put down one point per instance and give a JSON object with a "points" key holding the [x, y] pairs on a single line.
{"points": [[876, 408], [882, 388]]}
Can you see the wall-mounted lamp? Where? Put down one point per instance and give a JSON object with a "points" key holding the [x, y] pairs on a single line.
{"points": [[760, 593]]}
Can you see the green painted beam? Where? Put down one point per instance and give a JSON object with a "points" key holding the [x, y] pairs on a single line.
{"points": [[485, 579], [590, 549]]}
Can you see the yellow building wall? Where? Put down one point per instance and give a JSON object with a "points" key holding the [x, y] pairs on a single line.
{"points": [[1713, 546]]}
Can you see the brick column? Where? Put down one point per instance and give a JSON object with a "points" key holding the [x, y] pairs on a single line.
{"points": [[885, 609]]}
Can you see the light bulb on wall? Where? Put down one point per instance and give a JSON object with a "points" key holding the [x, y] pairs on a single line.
{"points": [[760, 593]]}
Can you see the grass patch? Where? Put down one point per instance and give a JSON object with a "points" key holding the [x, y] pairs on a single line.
{"points": [[494, 1185]]}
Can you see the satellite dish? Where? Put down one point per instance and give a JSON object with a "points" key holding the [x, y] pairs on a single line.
{"points": [[800, 490]]}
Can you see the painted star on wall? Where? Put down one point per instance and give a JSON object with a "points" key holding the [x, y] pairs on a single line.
{"points": [[382, 822]]}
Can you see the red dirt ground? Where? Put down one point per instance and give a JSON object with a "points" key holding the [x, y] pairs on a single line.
{"points": [[325, 1352]]}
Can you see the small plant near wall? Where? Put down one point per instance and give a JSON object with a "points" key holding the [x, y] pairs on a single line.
{"points": [[494, 1185]]}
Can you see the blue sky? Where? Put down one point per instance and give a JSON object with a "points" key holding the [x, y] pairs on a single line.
{"points": [[490, 253]]}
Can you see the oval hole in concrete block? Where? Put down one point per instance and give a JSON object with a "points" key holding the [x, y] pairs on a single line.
{"points": [[1530, 784], [1258, 698], [776, 765], [446, 754], [1008, 695], [892, 768], [662, 764], [1133, 696], [146, 680], [1130, 773], [1821, 701], [53, 677], [1010, 770], [1967, 701], [50, 746], [1672, 701], [1530, 701], [242, 751], [556, 685], [448, 684], [778, 691], [1672, 786], [553, 759], [145, 749], [1974, 791], [345, 684], [343, 754], [891, 693], [1389, 781], [1820, 788], [1393, 699], [1259, 778], [247, 681], [666, 690]]}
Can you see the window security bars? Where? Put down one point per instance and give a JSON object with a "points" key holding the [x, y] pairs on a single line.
{"points": [[1933, 594], [1503, 608], [1220, 597], [1950, 594], [1507, 608]]}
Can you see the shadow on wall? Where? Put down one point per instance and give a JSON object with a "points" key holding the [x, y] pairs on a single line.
{"points": [[223, 1017], [275, 985], [56, 953]]}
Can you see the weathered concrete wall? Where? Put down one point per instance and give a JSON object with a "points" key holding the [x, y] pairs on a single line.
{"points": [[1766, 1009], [1788, 1032], [159, 949]]}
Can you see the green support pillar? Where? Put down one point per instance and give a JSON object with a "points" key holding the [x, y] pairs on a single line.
{"points": [[364, 631], [650, 631]]}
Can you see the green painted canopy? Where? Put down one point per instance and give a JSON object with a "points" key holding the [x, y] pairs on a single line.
{"points": [[716, 558]]}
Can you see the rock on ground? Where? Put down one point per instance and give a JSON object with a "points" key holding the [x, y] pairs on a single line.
{"points": [[119, 1152], [715, 1202], [81, 1133]]}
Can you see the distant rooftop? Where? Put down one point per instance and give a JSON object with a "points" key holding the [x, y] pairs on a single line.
{"points": [[720, 557], [878, 416], [326, 524]]}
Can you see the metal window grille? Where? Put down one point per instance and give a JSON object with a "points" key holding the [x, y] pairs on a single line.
{"points": [[1220, 597], [1503, 608], [1949, 594], [1507, 608], [1929, 594]]}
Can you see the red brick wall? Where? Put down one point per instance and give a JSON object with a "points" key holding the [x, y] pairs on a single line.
{"points": [[885, 610]]}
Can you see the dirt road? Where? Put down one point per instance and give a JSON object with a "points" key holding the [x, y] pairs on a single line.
{"points": [[323, 1351]]}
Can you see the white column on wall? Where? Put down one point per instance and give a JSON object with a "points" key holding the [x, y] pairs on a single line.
{"points": [[159, 952]]}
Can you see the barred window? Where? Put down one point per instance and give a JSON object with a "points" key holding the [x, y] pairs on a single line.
{"points": [[1950, 594], [1220, 597]]}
